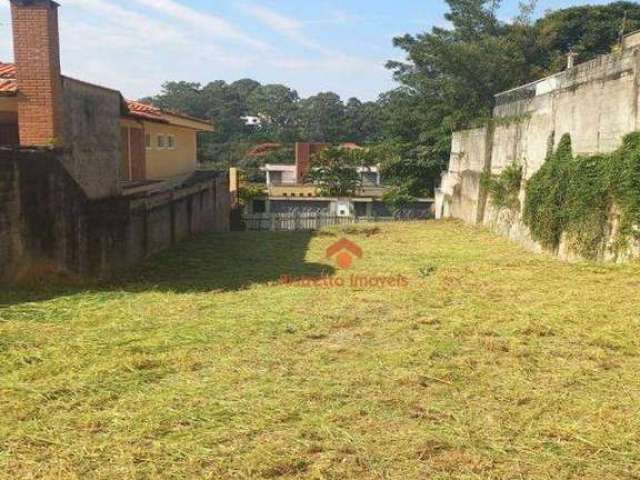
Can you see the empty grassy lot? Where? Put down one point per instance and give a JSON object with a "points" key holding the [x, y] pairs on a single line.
{"points": [[493, 363]]}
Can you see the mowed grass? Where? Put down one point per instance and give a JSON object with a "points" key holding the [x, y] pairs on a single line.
{"points": [[493, 363]]}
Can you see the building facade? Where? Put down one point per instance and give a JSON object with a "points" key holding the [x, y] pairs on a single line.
{"points": [[90, 184], [287, 191], [41, 107]]}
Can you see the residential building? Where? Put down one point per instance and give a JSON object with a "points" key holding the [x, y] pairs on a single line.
{"points": [[287, 190], [91, 184], [252, 121], [156, 146]]}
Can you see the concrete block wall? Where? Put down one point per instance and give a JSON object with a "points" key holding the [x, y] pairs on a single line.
{"points": [[470, 155], [49, 226], [92, 133], [10, 240], [159, 230], [596, 103], [181, 220]]}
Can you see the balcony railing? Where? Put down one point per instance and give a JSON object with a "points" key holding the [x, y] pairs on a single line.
{"points": [[306, 191], [284, 190]]}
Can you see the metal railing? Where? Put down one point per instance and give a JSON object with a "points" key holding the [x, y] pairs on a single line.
{"points": [[309, 221]]}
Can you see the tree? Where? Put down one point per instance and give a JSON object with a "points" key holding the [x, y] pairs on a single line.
{"points": [[322, 118], [335, 171], [277, 105], [450, 76], [286, 118], [448, 82], [362, 121], [244, 88], [473, 19], [588, 30], [181, 96]]}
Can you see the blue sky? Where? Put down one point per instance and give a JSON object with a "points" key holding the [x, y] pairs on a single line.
{"points": [[312, 45]]}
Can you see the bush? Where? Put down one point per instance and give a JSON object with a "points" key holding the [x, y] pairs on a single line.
{"points": [[625, 186], [505, 187], [546, 195], [575, 196], [588, 203]]}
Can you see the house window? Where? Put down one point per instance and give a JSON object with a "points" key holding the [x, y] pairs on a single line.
{"points": [[171, 142], [162, 141], [147, 141]]}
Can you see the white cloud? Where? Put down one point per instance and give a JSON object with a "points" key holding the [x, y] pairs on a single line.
{"points": [[295, 30], [287, 26], [130, 23], [136, 45], [133, 52], [337, 63], [211, 24], [335, 17]]}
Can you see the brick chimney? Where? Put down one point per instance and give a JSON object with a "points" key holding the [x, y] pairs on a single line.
{"points": [[304, 153], [36, 48], [303, 161]]}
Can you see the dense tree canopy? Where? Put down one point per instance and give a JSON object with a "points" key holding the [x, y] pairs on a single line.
{"points": [[450, 76], [285, 117], [447, 82]]}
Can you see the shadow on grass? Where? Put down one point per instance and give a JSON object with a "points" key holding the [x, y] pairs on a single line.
{"points": [[210, 262], [231, 262]]}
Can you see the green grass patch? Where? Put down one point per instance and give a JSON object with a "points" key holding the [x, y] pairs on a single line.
{"points": [[492, 363]]}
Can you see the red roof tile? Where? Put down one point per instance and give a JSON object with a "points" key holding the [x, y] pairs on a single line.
{"points": [[8, 79], [263, 149], [152, 112], [7, 70], [145, 111], [8, 85]]}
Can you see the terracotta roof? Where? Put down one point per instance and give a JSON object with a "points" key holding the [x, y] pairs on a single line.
{"points": [[8, 86], [263, 149], [148, 112], [7, 70]]}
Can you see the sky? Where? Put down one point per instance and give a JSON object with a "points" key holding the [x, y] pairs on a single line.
{"points": [[310, 45]]}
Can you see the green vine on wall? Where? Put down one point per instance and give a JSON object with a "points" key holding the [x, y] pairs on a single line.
{"points": [[504, 188], [546, 195], [575, 196]]}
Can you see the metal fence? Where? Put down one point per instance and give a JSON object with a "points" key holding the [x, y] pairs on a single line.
{"points": [[289, 222]]}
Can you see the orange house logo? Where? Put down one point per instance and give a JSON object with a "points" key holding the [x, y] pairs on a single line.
{"points": [[344, 251]]}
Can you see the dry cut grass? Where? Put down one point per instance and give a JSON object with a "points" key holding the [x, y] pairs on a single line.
{"points": [[492, 364]]}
